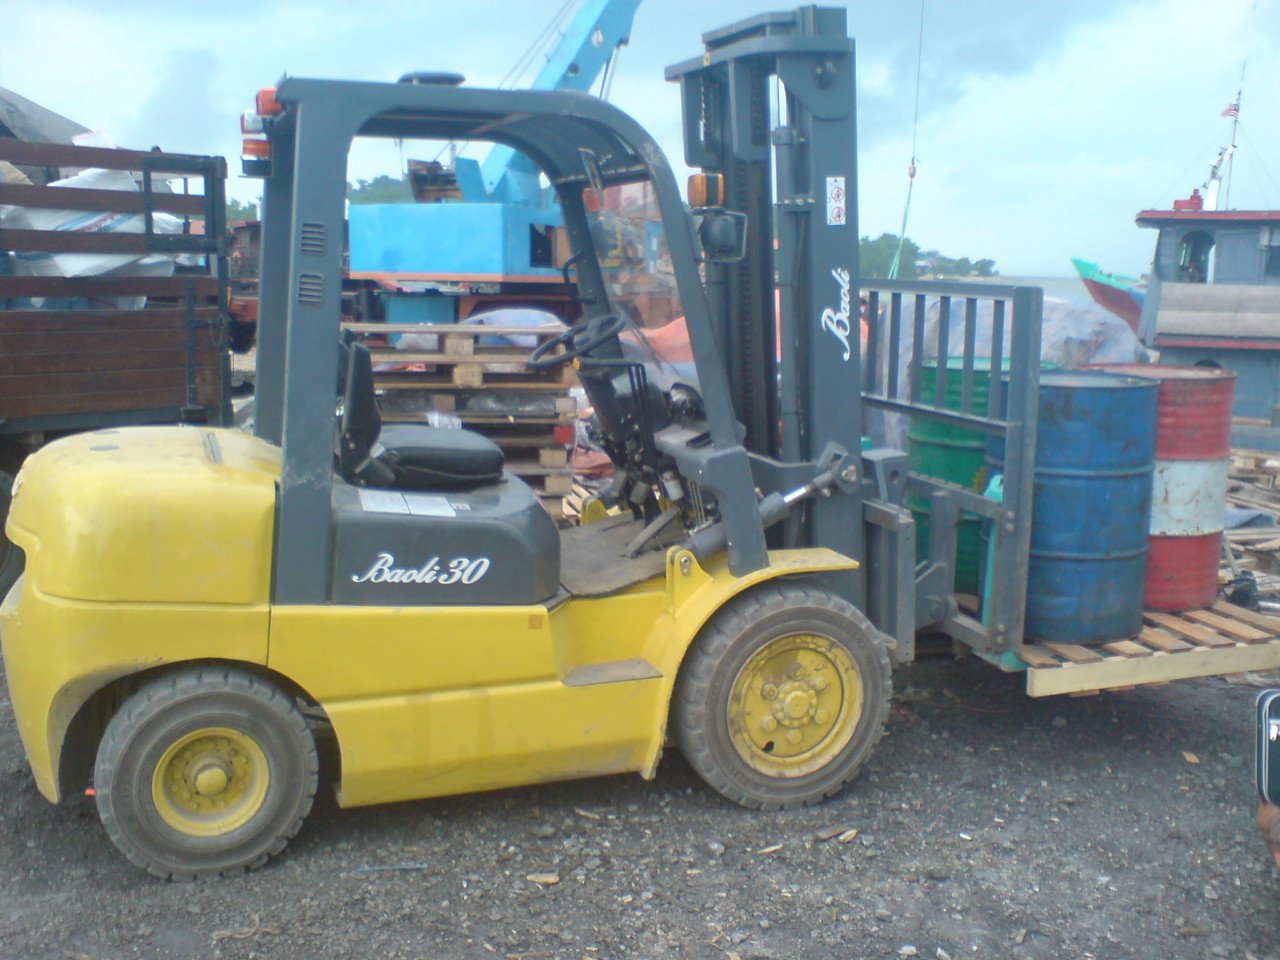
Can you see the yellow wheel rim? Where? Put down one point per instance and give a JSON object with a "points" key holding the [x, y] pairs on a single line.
{"points": [[794, 706], [210, 782]]}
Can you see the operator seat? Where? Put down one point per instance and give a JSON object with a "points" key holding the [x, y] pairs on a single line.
{"points": [[403, 456]]}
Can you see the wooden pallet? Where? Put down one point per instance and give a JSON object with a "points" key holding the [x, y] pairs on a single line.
{"points": [[1223, 639], [548, 484], [519, 441], [460, 361], [462, 369], [564, 411], [469, 377]]}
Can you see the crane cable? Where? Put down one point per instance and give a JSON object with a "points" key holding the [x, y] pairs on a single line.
{"points": [[911, 168], [538, 45], [517, 70]]}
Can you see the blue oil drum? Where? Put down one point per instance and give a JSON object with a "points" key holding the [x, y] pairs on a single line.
{"points": [[1095, 455]]}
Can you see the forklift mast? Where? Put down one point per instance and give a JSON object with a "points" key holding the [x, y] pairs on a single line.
{"points": [[770, 107]]}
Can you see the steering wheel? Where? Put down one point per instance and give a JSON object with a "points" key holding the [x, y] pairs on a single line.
{"points": [[607, 326]]}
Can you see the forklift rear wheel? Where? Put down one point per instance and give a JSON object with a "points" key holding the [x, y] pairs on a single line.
{"points": [[783, 696], [11, 559], [203, 772]]}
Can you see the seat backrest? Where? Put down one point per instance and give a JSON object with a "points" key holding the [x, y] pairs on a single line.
{"points": [[361, 422]]}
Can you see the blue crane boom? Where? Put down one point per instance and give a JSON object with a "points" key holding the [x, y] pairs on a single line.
{"points": [[598, 29]]}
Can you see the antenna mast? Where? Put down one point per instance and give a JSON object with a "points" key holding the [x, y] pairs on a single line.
{"points": [[1233, 112]]}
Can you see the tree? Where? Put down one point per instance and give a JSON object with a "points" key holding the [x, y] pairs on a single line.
{"points": [[381, 189], [875, 257], [241, 211]]}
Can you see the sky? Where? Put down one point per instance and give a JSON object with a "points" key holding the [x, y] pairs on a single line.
{"points": [[1042, 128]]}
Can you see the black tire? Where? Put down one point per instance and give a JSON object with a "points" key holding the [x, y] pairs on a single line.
{"points": [[206, 722], [12, 560], [718, 711]]}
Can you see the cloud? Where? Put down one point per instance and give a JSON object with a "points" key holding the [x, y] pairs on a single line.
{"points": [[185, 111], [1033, 168], [1043, 126]]}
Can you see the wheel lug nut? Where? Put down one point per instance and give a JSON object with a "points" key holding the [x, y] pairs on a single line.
{"points": [[797, 671], [793, 736], [820, 716], [769, 691], [769, 724], [819, 683]]}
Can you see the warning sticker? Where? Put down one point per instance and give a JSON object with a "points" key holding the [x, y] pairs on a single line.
{"points": [[836, 202]]}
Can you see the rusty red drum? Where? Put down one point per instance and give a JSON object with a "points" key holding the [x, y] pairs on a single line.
{"points": [[1189, 490], [1182, 572]]}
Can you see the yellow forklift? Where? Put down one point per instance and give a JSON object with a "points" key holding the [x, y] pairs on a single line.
{"points": [[198, 603]]}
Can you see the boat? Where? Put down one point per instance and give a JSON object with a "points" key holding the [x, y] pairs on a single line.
{"points": [[1212, 296], [1114, 292]]}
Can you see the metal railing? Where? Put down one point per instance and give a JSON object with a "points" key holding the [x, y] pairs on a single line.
{"points": [[909, 323]]}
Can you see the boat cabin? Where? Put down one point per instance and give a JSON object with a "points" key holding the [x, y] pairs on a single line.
{"points": [[1213, 296]]}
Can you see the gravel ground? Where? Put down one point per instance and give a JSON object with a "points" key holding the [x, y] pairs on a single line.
{"points": [[986, 825]]}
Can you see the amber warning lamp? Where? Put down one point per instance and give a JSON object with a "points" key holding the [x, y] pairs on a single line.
{"points": [[255, 157], [266, 103], [706, 190]]}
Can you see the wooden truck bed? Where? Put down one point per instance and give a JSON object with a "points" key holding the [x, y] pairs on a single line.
{"points": [[117, 342]]}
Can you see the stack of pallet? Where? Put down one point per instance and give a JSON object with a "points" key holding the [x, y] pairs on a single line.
{"points": [[1252, 486], [528, 413]]}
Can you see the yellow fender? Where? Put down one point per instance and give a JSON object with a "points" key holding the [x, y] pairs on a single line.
{"points": [[694, 595]]}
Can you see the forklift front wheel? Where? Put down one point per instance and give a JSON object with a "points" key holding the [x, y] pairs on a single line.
{"points": [[783, 696], [203, 772]]}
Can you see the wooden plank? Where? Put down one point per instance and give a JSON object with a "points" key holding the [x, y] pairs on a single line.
{"points": [[467, 376], [492, 419], [1159, 668], [1073, 652], [467, 330], [1035, 657], [1252, 533], [441, 403], [1164, 642], [1191, 631], [1126, 648], [1252, 617], [70, 241], [27, 323], [1228, 626], [138, 378], [432, 382], [105, 401], [393, 278], [487, 419], [115, 360], [107, 286], [529, 468], [75, 241], [15, 347], [461, 346], [556, 486], [108, 201], [32, 154], [537, 438], [513, 355], [552, 456]]}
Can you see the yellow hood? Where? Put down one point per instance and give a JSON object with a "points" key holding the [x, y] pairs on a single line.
{"points": [[154, 514]]}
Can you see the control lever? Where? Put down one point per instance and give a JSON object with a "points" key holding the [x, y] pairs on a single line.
{"points": [[708, 542]]}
